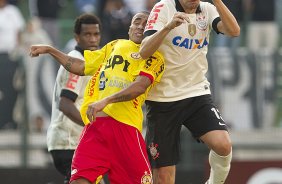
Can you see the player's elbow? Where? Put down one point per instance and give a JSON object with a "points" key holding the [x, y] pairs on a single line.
{"points": [[63, 109], [144, 50], [235, 32], [143, 53], [140, 89]]}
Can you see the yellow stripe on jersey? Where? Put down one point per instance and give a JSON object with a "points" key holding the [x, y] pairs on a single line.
{"points": [[123, 64]]}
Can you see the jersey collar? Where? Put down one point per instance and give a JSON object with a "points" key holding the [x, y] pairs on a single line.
{"points": [[79, 49]]}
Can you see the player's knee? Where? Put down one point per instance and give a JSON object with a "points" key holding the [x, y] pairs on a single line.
{"points": [[165, 174], [223, 148], [226, 148]]}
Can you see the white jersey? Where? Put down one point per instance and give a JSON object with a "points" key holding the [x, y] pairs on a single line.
{"points": [[63, 133], [184, 50]]}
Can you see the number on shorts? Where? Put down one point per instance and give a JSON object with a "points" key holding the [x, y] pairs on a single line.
{"points": [[217, 114]]}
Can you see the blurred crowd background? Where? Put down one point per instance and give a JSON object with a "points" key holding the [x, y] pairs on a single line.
{"points": [[245, 72]]}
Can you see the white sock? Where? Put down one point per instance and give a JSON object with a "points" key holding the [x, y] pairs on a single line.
{"points": [[220, 166]]}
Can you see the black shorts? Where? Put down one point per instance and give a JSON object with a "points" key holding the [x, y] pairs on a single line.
{"points": [[164, 122], [62, 160]]}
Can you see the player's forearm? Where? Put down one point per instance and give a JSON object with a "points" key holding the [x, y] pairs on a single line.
{"points": [[69, 109], [71, 64], [131, 92], [152, 43], [230, 25], [74, 115], [127, 94]]}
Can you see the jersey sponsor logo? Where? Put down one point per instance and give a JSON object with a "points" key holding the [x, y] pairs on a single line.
{"points": [[202, 22], [92, 83], [154, 151], [102, 81], [135, 55], [117, 60], [72, 81], [153, 16], [190, 43], [118, 82], [135, 103], [146, 178]]}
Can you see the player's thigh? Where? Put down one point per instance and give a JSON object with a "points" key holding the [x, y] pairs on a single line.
{"points": [[163, 132], [205, 118], [130, 162], [62, 160], [90, 160]]}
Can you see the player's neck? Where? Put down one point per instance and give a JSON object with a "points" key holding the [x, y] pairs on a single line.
{"points": [[191, 11]]}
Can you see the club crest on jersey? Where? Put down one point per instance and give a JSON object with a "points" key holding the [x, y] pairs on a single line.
{"points": [[135, 55], [153, 150], [192, 29], [202, 22], [146, 178]]}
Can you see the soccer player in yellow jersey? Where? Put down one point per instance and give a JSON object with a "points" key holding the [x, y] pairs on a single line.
{"points": [[112, 108]]}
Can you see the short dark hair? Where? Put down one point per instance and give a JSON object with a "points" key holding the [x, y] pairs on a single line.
{"points": [[85, 18]]}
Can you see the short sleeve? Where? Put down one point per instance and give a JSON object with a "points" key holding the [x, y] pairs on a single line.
{"points": [[158, 17], [213, 14], [73, 82], [153, 67]]}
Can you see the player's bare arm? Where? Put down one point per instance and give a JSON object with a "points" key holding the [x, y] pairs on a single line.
{"points": [[228, 24], [151, 43], [67, 106], [71, 64], [138, 87]]}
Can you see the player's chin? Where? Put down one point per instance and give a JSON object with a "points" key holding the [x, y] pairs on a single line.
{"points": [[138, 39], [92, 47]]}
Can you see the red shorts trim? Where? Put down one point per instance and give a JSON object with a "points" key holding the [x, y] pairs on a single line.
{"points": [[109, 146]]}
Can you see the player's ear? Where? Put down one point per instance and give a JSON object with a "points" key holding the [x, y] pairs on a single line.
{"points": [[76, 37]]}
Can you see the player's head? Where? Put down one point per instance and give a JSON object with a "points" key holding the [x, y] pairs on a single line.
{"points": [[137, 26], [87, 31]]}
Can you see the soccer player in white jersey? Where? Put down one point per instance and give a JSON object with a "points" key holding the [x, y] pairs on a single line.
{"points": [[66, 123], [180, 30]]}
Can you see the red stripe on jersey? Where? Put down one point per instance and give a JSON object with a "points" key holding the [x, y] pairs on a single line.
{"points": [[147, 75]]}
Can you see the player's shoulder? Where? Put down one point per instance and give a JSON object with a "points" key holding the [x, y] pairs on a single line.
{"points": [[112, 43], [76, 54], [164, 5], [117, 41]]}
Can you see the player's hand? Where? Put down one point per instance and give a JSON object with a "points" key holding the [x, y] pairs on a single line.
{"points": [[178, 19], [94, 108], [36, 50]]}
